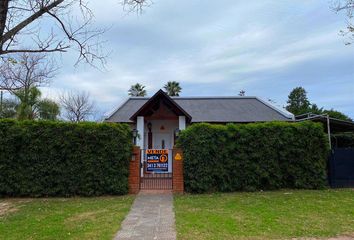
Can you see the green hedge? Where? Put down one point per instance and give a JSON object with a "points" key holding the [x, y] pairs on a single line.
{"points": [[343, 140], [43, 158], [256, 156]]}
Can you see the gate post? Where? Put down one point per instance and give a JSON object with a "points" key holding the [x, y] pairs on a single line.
{"points": [[134, 171], [178, 182]]}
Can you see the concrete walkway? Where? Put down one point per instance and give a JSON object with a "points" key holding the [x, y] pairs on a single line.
{"points": [[151, 217]]}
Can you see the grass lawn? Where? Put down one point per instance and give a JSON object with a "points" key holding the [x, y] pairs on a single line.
{"points": [[62, 218], [265, 215]]}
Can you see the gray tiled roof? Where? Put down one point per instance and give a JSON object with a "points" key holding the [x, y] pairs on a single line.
{"points": [[211, 109]]}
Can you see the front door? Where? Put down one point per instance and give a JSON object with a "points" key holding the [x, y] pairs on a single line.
{"points": [[163, 141]]}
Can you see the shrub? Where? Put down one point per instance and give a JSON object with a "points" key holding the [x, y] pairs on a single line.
{"points": [[43, 158], [343, 140], [254, 156]]}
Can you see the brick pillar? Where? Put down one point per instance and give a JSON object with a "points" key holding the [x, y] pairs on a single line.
{"points": [[134, 168], [178, 183]]}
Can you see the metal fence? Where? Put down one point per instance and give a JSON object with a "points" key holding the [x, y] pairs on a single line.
{"points": [[341, 168], [156, 179]]}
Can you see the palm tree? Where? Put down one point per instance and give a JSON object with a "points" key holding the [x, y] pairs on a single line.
{"points": [[48, 109], [31, 106], [172, 88], [28, 102], [137, 90]]}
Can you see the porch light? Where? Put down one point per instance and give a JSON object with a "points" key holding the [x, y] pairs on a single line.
{"points": [[135, 135]]}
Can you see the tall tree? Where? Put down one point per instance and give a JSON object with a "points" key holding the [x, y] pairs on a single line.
{"points": [[298, 102], [29, 105], [28, 102], [348, 7], [29, 70], [137, 90], [172, 88], [315, 109], [48, 109], [77, 106]]}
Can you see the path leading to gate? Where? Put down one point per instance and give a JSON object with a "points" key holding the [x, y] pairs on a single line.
{"points": [[151, 217]]}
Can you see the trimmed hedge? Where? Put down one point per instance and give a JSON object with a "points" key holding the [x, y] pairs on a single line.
{"points": [[43, 158], [255, 156]]}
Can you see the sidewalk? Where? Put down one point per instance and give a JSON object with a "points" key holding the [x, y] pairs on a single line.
{"points": [[151, 218]]}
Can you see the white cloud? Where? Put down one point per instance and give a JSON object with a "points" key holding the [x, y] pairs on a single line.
{"points": [[203, 44]]}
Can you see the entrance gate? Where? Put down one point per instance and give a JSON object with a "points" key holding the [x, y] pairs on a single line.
{"points": [[341, 168], [156, 169]]}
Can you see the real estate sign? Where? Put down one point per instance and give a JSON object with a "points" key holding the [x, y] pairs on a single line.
{"points": [[157, 160]]}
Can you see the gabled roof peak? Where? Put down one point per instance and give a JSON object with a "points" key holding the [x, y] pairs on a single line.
{"points": [[160, 95]]}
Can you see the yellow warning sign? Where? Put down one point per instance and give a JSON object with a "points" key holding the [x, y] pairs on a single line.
{"points": [[178, 157]]}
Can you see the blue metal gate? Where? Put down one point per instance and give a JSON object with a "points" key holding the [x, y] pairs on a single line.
{"points": [[341, 168], [156, 179]]}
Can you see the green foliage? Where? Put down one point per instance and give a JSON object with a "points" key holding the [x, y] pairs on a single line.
{"points": [[343, 140], [43, 158], [31, 106], [315, 109], [137, 90], [29, 98], [173, 88], [298, 102], [8, 108], [336, 114], [48, 109], [254, 156]]}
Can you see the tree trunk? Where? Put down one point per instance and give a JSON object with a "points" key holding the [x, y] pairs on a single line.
{"points": [[4, 5]]}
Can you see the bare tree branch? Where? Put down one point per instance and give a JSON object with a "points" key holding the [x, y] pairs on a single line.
{"points": [[21, 21], [29, 70], [348, 7], [28, 20], [136, 5], [77, 106]]}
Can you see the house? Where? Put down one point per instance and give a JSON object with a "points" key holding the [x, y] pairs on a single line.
{"points": [[156, 122], [159, 118]]}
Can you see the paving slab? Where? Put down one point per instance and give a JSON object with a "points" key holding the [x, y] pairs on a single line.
{"points": [[150, 218]]}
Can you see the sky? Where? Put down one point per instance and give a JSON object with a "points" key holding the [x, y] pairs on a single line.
{"points": [[217, 48]]}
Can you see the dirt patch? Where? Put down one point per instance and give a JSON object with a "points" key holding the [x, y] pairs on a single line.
{"points": [[343, 237], [84, 216], [6, 208]]}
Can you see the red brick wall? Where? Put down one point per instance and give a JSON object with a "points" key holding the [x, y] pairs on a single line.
{"points": [[178, 183], [134, 168]]}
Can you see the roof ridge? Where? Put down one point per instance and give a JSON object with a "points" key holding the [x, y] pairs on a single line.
{"points": [[201, 97], [216, 97]]}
